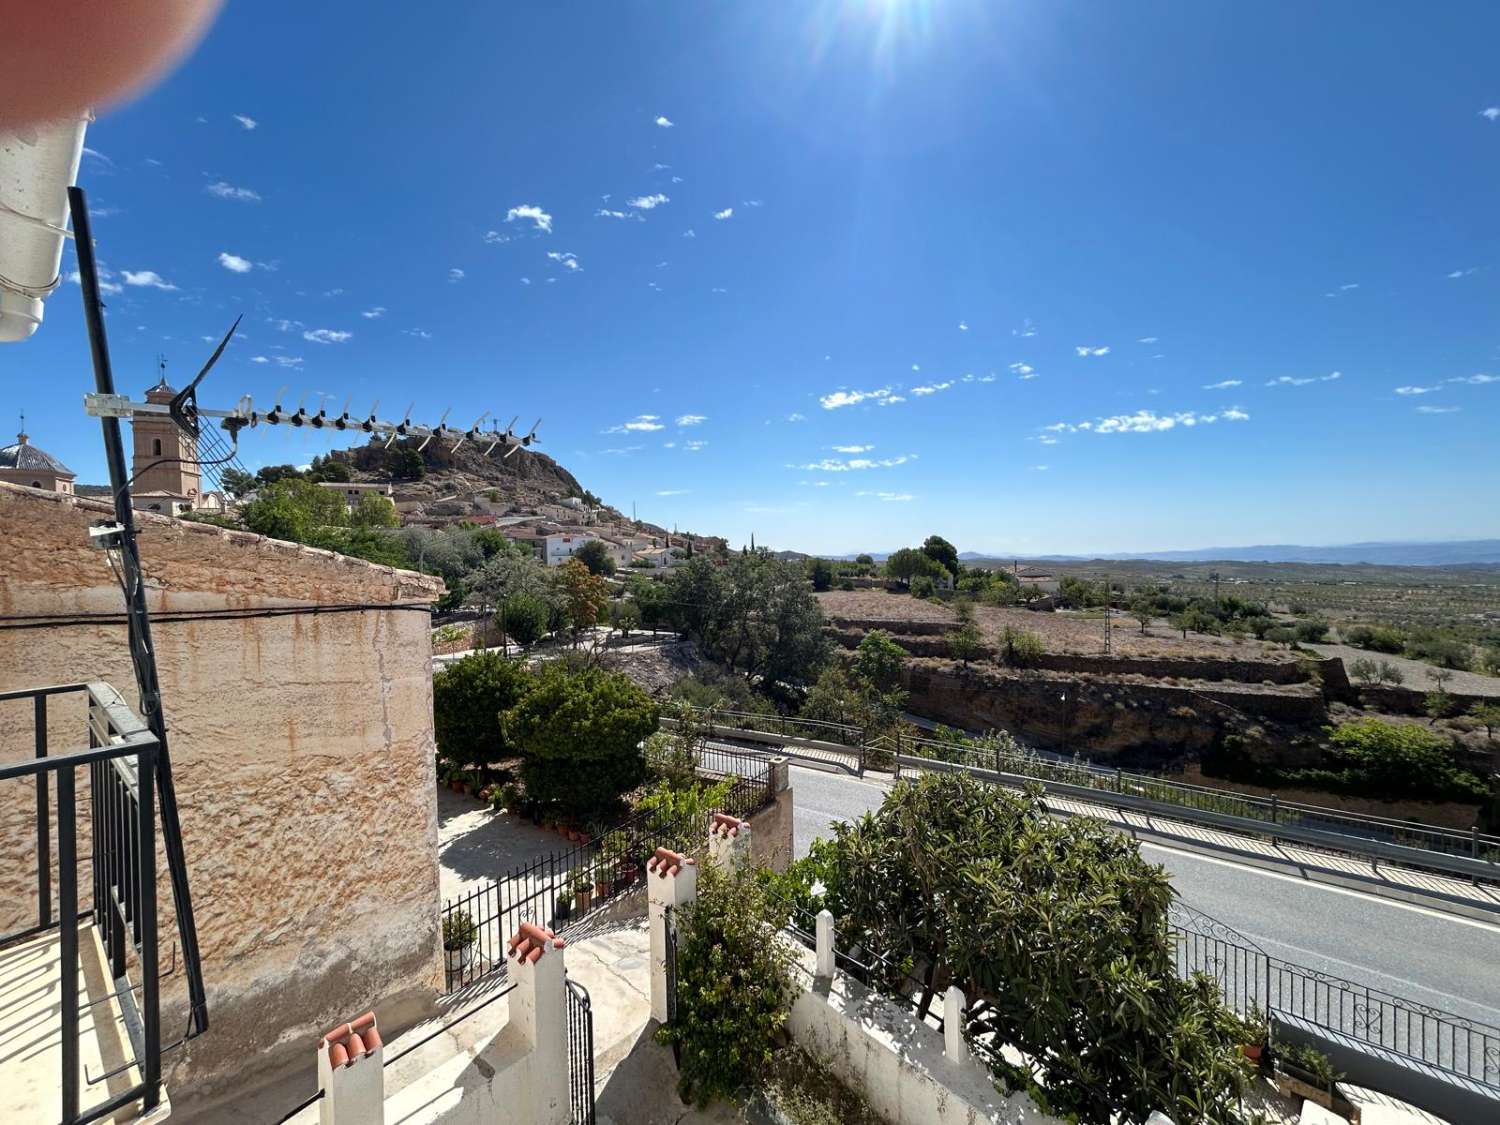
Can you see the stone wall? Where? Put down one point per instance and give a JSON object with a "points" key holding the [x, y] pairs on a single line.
{"points": [[1127, 720], [302, 750]]}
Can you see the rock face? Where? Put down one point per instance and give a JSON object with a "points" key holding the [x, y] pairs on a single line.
{"points": [[303, 756]]}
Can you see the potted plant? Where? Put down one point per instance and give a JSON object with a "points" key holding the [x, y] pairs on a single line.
{"points": [[562, 909], [583, 892], [627, 870], [1306, 1072], [459, 937], [1255, 1033]]}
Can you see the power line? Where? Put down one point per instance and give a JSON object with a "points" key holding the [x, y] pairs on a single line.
{"points": [[104, 617]]}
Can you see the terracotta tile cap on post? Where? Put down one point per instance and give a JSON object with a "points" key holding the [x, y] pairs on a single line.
{"points": [[350, 1042], [531, 942], [667, 862], [726, 825]]}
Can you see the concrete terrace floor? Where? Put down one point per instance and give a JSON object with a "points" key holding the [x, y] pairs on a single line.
{"points": [[477, 845]]}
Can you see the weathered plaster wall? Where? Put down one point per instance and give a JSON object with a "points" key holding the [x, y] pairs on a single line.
{"points": [[303, 755]]}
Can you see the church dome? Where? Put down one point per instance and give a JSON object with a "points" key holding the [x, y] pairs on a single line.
{"points": [[25, 457]]}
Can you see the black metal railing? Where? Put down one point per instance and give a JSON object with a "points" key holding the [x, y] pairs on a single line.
{"points": [[121, 811], [669, 970], [1249, 979], [562, 888], [580, 1053]]}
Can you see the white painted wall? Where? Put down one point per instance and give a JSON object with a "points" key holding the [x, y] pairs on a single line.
{"points": [[877, 1046]]}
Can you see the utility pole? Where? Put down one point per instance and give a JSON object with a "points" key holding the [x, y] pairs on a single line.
{"points": [[1108, 622], [1215, 577]]}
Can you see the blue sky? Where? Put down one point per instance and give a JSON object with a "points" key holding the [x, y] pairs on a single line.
{"points": [[1036, 276]]}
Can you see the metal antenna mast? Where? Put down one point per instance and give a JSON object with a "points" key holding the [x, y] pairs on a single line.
{"points": [[121, 536]]}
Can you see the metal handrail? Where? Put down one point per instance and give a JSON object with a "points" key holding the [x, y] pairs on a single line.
{"points": [[122, 759]]}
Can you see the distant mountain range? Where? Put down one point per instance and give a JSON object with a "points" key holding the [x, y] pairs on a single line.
{"points": [[1459, 552]]}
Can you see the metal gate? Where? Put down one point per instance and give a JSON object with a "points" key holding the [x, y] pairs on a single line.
{"points": [[580, 1053]]}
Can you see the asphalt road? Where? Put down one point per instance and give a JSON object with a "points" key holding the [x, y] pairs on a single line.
{"points": [[1422, 955]]}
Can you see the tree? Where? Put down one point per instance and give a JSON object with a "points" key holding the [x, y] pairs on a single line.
{"points": [[295, 509], [1487, 715], [270, 474], [584, 594], [942, 552], [923, 586], [236, 482], [523, 618], [1381, 757], [406, 463], [595, 555], [821, 573], [1144, 611], [624, 615], [956, 879], [965, 643], [1437, 704], [467, 699], [580, 733], [374, 510], [1312, 630], [1366, 671], [909, 562], [326, 468], [1021, 648], [879, 660], [864, 560]]}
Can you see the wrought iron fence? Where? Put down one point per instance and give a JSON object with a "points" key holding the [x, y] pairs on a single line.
{"points": [[1250, 978], [580, 1053], [669, 945], [562, 888]]}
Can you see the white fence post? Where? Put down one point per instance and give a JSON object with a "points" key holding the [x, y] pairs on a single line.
{"points": [[954, 1046], [539, 1009], [729, 842], [825, 939], [351, 1074], [671, 880]]}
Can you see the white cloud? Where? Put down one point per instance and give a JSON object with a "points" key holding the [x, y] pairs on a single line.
{"points": [[246, 123], [852, 398], [794, 416], [419, 333], [647, 202], [228, 191], [932, 388], [289, 361], [1086, 350], [1222, 385], [852, 448], [539, 218], [455, 274], [642, 423], [525, 281], [890, 400], [1456, 274], [854, 464], [147, 279], [1491, 114], [606, 213], [97, 155], [623, 451], [1028, 328], [663, 123], [753, 202], [690, 233], [691, 419], [1147, 422], [1147, 340], [1410, 390], [673, 492], [1351, 285], [888, 497], [566, 259], [963, 325], [916, 367], [728, 212], [374, 314], [1474, 380], [326, 336], [105, 284], [234, 263], [693, 446], [1024, 370], [285, 325], [1292, 381], [1039, 468], [259, 359], [1438, 409]]}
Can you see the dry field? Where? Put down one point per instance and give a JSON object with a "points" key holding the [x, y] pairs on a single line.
{"points": [[1060, 632]]}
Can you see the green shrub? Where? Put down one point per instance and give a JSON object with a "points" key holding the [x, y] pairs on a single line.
{"points": [[1376, 638], [734, 987], [1384, 759], [1437, 648], [1021, 648], [459, 930], [524, 618], [1312, 630], [923, 586], [467, 699], [580, 733]]}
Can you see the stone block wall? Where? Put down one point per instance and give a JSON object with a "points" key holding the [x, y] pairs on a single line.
{"points": [[303, 754]]}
